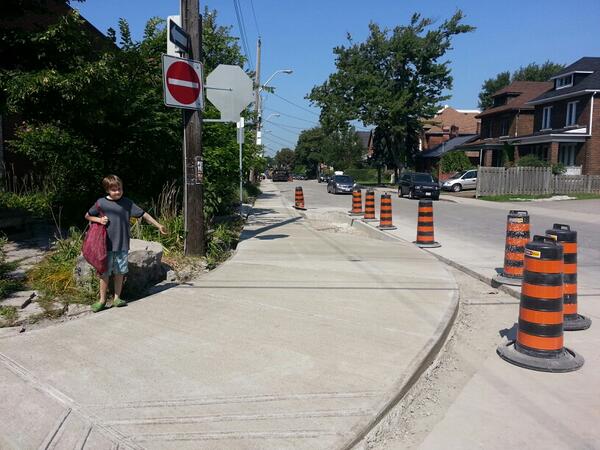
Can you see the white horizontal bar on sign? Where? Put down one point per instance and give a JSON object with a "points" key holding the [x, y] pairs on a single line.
{"points": [[184, 83]]}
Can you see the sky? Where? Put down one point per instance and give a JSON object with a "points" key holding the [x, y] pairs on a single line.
{"points": [[301, 35]]}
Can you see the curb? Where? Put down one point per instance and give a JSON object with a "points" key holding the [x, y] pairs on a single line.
{"points": [[417, 367]]}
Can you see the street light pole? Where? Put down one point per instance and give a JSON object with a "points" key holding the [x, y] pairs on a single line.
{"points": [[258, 102]]}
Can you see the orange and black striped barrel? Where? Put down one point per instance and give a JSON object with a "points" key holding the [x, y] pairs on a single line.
{"points": [[568, 239], [369, 205], [425, 234], [299, 200], [517, 236], [541, 310], [385, 213], [356, 202]]}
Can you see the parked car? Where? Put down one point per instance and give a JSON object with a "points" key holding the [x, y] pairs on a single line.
{"points": [[298, 176], [281, 175], [323, 178], [340, 184], [418, 185], [467, 179]]}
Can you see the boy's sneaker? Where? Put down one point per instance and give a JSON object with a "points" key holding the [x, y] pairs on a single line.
{"points": [[119, 302], [97, 307]]}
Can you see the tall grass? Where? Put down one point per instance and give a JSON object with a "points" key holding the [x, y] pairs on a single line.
{"points": [[7, 284]]}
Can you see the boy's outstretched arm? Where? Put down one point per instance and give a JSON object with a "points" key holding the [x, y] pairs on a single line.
{"points": [[148, 218]]}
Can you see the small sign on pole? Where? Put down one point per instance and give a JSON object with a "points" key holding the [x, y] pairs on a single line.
{"points": [[178, 37]]}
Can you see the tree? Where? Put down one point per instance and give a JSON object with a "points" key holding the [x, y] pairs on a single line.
{"points": [[284, 158], [455, 162], [531, 72], [88, 110], [392, 80]]}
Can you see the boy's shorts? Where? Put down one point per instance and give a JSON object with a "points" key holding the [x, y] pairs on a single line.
{"points": [[117, 263]]}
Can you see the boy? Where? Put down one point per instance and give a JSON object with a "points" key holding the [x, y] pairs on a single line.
{"points": [[114, 211]]}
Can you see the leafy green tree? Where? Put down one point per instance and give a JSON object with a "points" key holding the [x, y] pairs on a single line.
{"points": [[392, 80], [531, 72], [310, 149], [89, 109], [455, 162], [284, 158]]}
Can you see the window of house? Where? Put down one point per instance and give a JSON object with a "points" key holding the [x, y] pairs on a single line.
{"points": [[567, 153], [571, 114], [564, 82], [504, 128], [546, 117]]}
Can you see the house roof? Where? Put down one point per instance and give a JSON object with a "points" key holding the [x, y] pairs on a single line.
{"points": [[590, 82], [447, 146], [524, 90], [463, 119]]}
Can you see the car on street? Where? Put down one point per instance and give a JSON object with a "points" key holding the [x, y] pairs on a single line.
{"points": [[340, 184], [281, 175], [323, 178], [418, 185], [467, 179]]}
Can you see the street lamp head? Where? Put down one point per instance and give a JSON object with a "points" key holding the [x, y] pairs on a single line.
{"points": [[288, 71]]}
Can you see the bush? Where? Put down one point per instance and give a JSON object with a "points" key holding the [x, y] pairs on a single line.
{"points": [[220, 243], [39, 204], [363, 175], [7, 285], [455, 162], [54, 276], [531, 161]]}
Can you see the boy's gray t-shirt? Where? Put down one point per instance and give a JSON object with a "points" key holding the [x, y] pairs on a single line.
{"points": [[118, 212]]}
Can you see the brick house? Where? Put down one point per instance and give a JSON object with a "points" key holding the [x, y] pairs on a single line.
{"points": [[447, 124], [566, 120], [510, 116]]}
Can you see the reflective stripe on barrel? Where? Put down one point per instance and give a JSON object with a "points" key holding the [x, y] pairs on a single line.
{"points": [[541, 307], [385, 214], [299, 197], [517, 235], [425, 233], [356, 201], [370, 204], [568, 239]]}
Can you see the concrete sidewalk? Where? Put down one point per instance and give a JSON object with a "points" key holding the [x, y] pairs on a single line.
{"points": [[302, 340], [504, 405]]}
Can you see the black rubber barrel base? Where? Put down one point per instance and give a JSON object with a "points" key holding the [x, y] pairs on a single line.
{"points": [[370, 220], [384, 227], [501, 279], [432, 245], [578, 323], [301, 209], [566, 361], [350, 213]]}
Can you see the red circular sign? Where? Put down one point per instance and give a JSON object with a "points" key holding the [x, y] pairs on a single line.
{"points": [[183, 82]]}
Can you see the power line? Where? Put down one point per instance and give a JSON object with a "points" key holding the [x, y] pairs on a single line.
{"points": [[282, 138], [242, 26], [255, 21], [295, 104], [293, 117], [285, 127], [277, 141]]}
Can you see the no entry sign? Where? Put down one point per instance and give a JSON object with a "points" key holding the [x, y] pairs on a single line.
{"points": [[182, 83]]}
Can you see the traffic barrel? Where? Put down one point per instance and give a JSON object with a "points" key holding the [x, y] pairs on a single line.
{"points": [[356, 202], [425, 238], [299, 199], [539, 341], [385, 213], [370, 206], [517, 236], [568, 239]]}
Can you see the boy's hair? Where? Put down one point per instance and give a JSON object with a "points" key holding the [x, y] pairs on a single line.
{"points": [[111, 181]]}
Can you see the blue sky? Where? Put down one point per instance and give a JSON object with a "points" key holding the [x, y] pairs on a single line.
{"points": [[300, 35]]}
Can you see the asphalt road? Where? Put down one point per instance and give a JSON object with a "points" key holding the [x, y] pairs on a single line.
{"points": [[481, 223]]}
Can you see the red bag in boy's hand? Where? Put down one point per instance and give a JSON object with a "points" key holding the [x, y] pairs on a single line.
{"points": [[94, 246]]}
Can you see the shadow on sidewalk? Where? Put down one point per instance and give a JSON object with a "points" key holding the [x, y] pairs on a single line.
{"points": [[510, 333], [248, 234]]}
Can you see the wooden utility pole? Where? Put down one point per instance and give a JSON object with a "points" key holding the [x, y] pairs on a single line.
{"points": [[195, 240]]}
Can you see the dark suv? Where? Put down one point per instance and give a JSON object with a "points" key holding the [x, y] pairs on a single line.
{"points": [[418, 185]]}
